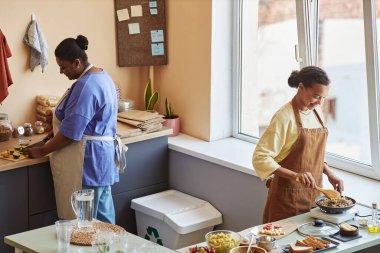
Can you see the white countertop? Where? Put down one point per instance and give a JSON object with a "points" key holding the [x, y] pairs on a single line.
{"points": [[367, 240]]}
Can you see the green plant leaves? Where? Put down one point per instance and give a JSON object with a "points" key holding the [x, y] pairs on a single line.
{"points": [[147, 94], [152, 101]]}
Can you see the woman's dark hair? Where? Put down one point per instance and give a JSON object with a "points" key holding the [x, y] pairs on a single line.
{"points": [[70, 49], [308, 76]]}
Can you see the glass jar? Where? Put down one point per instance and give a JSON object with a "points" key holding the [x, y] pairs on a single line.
{"points": [[6, 128], [38, 127], [28, 130]]}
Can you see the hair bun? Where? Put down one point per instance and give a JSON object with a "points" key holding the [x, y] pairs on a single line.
{"points": [[293, 79], [82, 42]]}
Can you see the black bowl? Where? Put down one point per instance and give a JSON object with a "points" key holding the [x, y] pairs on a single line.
{"points": [[328, 209]]}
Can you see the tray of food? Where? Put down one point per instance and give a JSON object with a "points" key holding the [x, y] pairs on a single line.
{"points": [[14, 154], [311, 244]]}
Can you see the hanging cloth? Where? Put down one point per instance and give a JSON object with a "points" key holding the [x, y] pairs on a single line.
{"points": [[5, 75], [34, 38]]}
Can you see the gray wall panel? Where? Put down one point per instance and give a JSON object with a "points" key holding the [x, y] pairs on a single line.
{"points": [[238, 196]]}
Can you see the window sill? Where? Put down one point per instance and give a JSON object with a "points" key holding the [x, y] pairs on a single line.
{"points": [[237, 155]]}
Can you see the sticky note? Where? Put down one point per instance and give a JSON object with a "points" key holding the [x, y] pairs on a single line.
{"points": [[122, 14], [134, 28], [153, 12], [158, 49], [136, 11], [157, 35], [152, 4]]}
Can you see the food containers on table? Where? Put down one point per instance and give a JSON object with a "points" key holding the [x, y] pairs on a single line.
{"points": [[174, 219], [222, 240]]}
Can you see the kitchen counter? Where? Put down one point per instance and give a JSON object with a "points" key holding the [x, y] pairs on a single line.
{"points": [[362, 244], [121, 130]]}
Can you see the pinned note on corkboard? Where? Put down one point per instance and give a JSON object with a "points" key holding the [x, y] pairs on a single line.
{"points": [[141, 32]]}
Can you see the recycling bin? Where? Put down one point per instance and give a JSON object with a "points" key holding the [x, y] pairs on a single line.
{"points": [[174, 219]]}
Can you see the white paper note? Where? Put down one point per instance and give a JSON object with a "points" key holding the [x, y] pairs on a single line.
{"points": [[152, 4], [134, 28], [122, 14], [157, 35], [153, 12], [136, 11]]}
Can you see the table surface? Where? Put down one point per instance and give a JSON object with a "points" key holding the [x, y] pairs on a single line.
{"points": [[44, 240], [367, 240]]}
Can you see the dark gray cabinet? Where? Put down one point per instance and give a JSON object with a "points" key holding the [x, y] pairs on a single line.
{"points": [[27, 194], [14, 204]]}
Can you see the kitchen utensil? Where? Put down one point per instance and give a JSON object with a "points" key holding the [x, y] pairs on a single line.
{"points": [[252, 234], [330, 193], [266, 242], [334, 210], [318, 228]]}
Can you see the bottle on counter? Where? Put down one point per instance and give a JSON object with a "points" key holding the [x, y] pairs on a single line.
{"points": [[373, 224]]}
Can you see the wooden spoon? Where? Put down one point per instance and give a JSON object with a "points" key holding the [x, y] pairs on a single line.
{"points": [[330, 193]]}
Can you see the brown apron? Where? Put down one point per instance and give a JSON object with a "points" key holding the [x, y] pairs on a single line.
{"points": [[287, 197]]}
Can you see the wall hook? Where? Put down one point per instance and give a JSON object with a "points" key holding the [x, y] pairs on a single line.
{"points": [[33, 16]]}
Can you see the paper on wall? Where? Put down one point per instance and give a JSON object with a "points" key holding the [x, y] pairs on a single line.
{"points": [[134, 28], [122, 14], [136, 11]]}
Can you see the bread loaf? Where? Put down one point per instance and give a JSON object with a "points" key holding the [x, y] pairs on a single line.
{"points": [[47, 100], [44, 110]]}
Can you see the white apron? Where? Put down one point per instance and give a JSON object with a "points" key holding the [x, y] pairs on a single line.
{"points": [[67, 167]]}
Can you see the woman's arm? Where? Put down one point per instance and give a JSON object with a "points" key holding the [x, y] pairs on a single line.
{"points": [[57, 142], [304, 178], [335, 181]]}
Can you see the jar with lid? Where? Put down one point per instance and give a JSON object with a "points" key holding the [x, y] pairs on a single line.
{"points": [[38, 127], [28, 130], [6, 128]]}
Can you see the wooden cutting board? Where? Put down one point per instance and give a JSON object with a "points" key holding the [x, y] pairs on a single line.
{"points": [[287, 226]]}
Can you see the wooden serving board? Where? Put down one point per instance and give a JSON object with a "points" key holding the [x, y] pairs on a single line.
{"points": [[10, 158], [287, 226]]}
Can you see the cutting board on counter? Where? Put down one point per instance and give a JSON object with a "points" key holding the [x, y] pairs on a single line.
{"points": [[10, 158], [288, 227]]}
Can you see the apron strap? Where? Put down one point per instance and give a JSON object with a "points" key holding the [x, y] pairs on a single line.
{"points": [[120, 154], [319, 118], [297, 115]]}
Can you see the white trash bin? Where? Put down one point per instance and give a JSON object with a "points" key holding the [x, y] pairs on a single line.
{"points": [[174, 219]]}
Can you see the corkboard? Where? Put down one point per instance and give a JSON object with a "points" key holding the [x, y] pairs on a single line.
{"points": [[136, 49]]}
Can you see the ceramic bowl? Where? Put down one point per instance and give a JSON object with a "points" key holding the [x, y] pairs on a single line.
{"points": [[222, 240], [349, 233]]}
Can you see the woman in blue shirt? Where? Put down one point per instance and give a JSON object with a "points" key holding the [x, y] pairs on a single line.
{"points": [[82, 143]]}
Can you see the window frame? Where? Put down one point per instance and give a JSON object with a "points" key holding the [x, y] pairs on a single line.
{"points": [[307, 14]]}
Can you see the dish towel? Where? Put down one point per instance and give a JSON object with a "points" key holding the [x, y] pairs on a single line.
{"points": [[35, 39], [5, 75]]}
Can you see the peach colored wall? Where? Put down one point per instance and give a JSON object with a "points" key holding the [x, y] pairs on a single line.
{"points": [[185, 81], [58, 20]]}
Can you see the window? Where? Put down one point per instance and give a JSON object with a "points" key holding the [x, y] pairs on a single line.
{"points": [[340, 37]]}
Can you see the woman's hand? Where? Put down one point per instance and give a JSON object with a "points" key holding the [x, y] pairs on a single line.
{"points": [[36, 152], [48, 136], [306, 179]]}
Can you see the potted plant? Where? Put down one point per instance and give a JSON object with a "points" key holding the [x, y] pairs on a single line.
{"points": [[171, 120], [150, 97]]}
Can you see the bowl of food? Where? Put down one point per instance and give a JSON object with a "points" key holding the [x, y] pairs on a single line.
{"points": [[335, 205], [266, 242], [243, 249], [346, 229], [222, 240]]}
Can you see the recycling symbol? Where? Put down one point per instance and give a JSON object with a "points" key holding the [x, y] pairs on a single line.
{"points": [[153, 233]]}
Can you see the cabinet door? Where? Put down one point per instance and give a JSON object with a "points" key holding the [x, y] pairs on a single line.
{"points": [[41, 189], [42, 219], [147, 164], [14, 204]]}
